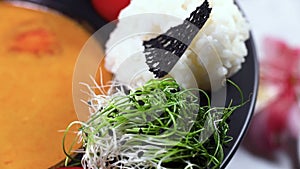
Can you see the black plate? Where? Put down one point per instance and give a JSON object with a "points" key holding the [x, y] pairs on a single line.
{"points": [[247, 78]]}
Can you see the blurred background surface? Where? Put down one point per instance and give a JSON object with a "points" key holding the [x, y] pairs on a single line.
{"points": [[271, 19]]}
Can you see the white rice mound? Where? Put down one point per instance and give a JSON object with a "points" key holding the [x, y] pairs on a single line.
{"points": [[216, 53]]}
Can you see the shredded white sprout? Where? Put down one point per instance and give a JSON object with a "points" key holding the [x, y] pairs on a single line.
{"points": [[108, 148]]}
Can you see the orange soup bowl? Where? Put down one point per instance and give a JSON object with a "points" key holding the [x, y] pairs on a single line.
{"points": [[40, 43]]}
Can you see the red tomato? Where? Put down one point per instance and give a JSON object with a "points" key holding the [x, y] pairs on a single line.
{"points": [[110, 9]]}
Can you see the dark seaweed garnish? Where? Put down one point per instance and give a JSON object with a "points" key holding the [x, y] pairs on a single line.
{"points": [[163, 52]]}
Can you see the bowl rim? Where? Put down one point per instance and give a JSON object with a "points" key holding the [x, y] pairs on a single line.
{"points": [[252, 101]]}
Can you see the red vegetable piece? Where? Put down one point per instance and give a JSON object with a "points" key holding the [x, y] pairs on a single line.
{"points": [[35, 41], [109, 9]]}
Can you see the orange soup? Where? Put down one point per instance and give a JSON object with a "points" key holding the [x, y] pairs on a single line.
{"points": [[37, 55]]}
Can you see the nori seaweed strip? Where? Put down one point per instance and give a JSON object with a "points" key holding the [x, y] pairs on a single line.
{"points": [[163, 52]]}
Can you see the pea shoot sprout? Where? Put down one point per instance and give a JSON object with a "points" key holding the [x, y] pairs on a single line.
{"points": [[159, 125]]}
